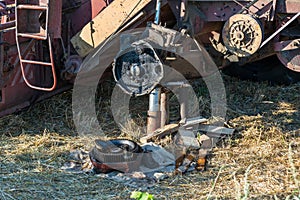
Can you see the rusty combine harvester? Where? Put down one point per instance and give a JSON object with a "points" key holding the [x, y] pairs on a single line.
{"points": [[44, 42]]}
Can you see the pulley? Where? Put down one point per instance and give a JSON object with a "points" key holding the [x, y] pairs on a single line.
{"points": [[137, 68], [242, 34], [119, 154]]}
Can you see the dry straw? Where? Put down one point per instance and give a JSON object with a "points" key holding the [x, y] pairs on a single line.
{"points": [[261, 161]]}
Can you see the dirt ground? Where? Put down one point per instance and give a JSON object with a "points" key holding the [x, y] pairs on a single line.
{"points": [[261, 161]]}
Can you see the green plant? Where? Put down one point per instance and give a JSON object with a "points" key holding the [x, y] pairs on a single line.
{"points": [[141, 195]]}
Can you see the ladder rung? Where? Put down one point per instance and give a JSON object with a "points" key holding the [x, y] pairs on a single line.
{"points": [[32, 7], [36, 62], [33, 35]]}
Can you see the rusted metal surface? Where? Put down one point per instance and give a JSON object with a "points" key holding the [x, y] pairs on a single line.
{"points": [[291, 59], [55, 14], [288, 49], [15, 94], [288, 6], [153, 121], [164, 108], [287, 45], [205, 17]]}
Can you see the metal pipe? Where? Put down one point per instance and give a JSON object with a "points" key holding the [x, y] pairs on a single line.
{"points": [[183, 99], [154, 100], [182, 13], [154, 114], [157, 11], [164, 107]]}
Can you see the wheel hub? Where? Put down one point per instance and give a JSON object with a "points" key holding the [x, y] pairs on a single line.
{"points": [[138, 69], [242, 35]]}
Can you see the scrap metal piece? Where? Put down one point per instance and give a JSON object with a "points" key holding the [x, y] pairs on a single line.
{"points": [[242, 34], [187, 139], [161, 132], [215, 131], [192, 121], [207, 144], [201, 164], [183, 163]]}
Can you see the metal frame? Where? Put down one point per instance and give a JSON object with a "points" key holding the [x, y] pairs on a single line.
{"points": [[43, 35]]}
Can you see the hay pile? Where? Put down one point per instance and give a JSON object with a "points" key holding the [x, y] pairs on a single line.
{"points": [[262, 161]]}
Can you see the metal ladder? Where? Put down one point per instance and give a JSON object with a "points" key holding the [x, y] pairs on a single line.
{"points": [[27, 14]]}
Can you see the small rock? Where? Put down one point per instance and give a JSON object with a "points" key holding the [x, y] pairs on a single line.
{"points": [[160, 176], [138, 175]]}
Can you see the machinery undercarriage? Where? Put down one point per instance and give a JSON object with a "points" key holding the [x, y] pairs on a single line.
{"points": [[43, 43]]}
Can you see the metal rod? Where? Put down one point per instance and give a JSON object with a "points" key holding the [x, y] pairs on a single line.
{"points": [[154, 100], [183, 99], [164, 107], [182, 9], [157, 11], [279, 30], [36, 62], [154, 113], [31, 7]]}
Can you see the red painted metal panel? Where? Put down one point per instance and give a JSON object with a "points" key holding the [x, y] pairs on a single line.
{"points": [[288, 6], [55, 14], [85, 13]]}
